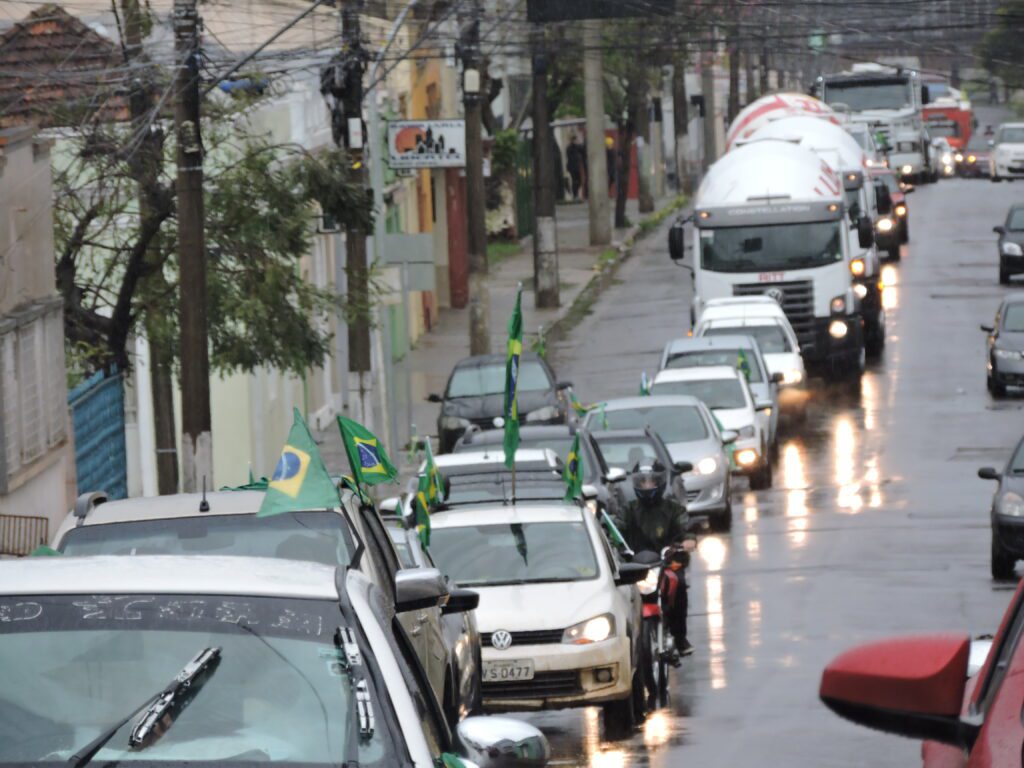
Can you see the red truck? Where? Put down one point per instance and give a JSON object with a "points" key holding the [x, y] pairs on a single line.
{"points": [[950, 118]]}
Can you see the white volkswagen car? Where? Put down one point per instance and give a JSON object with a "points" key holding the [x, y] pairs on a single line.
{"points": [[559, 617], [725, 391], [1007, 158]]}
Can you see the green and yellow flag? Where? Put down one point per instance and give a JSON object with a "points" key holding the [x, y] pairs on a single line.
{"points": [[515, 352], [429, 493], [580, 409], [300, 480], [743, 363], [370, 464], [573, 472]]}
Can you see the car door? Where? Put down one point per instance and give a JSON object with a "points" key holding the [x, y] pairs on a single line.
{"points": [[629, 595]]}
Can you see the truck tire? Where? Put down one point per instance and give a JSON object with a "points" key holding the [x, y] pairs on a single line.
{"points": [[874, 342]]}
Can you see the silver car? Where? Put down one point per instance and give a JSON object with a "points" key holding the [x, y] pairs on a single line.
{"points": [[691, 435]]}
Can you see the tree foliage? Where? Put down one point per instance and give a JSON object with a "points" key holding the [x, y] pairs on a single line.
{"points": [[1002, 49]]}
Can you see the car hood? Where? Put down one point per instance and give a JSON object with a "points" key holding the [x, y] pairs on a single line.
{"points": [[489, 406], [1006, 148], [779, 362], [734, 418], [1010, 340], [694, 450], [555, 605]]}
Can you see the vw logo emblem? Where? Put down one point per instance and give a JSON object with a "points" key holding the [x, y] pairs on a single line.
{"points": [[776, 294], [501, 639]]}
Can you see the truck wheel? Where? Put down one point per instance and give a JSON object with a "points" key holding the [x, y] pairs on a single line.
{"points": [[1003, 562], [875, 341]]}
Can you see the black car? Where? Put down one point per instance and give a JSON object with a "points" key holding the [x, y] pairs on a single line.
{"points": [[1011, 244], [1007, 514], [559, 437], [625, 448], [476, 395], [1005, 364]]}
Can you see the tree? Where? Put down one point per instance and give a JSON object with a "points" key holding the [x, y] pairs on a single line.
{"points": [[1002, 49]]}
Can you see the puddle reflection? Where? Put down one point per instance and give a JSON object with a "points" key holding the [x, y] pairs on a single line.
{"points": [[890, 289], [716, 635]]}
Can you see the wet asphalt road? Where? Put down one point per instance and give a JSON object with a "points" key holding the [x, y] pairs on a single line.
{"points": [[876, 525]]}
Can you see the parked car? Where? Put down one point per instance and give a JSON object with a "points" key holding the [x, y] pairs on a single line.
{"points": [[922, 687], [1005, 362], [725, 391], [475, 394], [200, 660], [1007, 513], [462, 695], [1011, 244], [892, 204], [560, 618], [1006, 160], [559, 438], [733, 350]]}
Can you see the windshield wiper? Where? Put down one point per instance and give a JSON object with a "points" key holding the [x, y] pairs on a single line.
{"points": [[162, 709]]}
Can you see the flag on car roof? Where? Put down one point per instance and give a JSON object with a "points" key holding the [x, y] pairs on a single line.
{"points": [[370, 463], [573, 474], [429, 493], [580, 409], [511, 406], [645, 384], [300, 480], [743, 363]]}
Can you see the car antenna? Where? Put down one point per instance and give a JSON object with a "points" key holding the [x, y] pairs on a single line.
{"points": [[204, 505]]}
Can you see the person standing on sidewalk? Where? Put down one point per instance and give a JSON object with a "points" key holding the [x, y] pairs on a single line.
{"points": [[575, 162]]}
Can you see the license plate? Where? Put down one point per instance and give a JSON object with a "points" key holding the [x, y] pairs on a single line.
{"points": [[504, 671]]}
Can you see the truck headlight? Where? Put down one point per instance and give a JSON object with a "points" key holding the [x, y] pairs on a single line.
{"points": [[947, 158], [547, 413], [1011, 505], [901, 210], [454, 422], [884, 225], [857, 267], [860, 290], [838, 304], [706, 466], [590, 631], [649, 584], [837, 329], [1012, 249]]}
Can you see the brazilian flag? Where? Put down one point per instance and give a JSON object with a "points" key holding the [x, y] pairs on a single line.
{"points": [[429, 493], [573, 473], [300, 480], [580, 409], [743, 363], [645, 384], [370, 464], [515, 352]]}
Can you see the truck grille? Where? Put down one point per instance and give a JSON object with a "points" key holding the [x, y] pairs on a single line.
{"points": [[797, 303], [529, 637], [544, 685]]}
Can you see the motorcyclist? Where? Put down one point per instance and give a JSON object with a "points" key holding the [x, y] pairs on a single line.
{"points": [[654, 521]]}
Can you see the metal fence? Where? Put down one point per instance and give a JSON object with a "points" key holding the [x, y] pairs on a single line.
{"points": [[97, 412], [19, 535]]}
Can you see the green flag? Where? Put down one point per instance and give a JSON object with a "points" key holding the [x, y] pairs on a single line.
{"points": [[429, 493], [511, 409], [573, 473], [580, 409], [743, 363], [370, 464], [645, 384], [44, 551], [300, 480]]}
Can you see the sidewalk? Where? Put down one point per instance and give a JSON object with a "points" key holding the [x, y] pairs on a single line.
{"points": [[426, 368]]}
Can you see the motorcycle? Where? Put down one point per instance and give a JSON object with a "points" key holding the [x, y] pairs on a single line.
{"points": [[658, 591]]}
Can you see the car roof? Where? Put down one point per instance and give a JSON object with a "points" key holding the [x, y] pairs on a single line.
{"points": [[468, 458], [622, 434], [483, 361], [700, 373], [1014, 298], [725, 341], [496, 436], [175, 506], [498, 515], [762, 310], [1011, 125], [653, 401], [167, 574]]}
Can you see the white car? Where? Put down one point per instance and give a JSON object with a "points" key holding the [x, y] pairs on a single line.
{"points": [[725, 391], [1007, 158], [559, 618], [207, 660], [762, 318]]}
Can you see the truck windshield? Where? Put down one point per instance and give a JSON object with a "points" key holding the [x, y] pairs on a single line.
{"points": [[861, 96], [774, 247]]}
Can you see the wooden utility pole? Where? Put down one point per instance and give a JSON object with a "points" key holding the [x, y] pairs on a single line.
{"points": [[545, 240], [681, 120], [597, 155], [196, 438], [476, 228]]}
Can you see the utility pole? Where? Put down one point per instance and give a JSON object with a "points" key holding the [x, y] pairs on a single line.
{"points": [[196, 438], [707, 86], [545, 240], [476, 229], [597, 156]]}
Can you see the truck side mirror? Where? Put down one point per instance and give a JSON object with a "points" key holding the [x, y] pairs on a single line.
{"points": [[925, 95], [677, 241], [865, 232]]}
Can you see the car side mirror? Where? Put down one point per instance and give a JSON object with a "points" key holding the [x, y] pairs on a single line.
{"points": [[987, 328], [461, 601], [778, 377], [563, 385], [433, 397], [682, 467], [589, 492], [501, 742], [631, 573], [417, 588], [677, 241], [865, 232], [390, 506], [763, 405], [615, 475], [913, 687], [729, 436], [988, 473], [1000, 230]]}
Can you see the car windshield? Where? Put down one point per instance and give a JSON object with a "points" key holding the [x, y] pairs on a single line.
{"points": [[1013, 318], [716, 393], [1015, 221], [530, 486], [708, 357], [316, 536], [861, 96], [476, 381], [514, 553], [674, 423], [1017, 463], [626, 453], [770, 247], [1011, 135], [74, 666], [771, 338]]}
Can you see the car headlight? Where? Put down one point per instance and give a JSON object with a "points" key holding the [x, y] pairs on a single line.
{"points": [[857, 266], [1011, 504], [649, 584], [972, 159], [454, 422], [901, 210], [884, 225], [837, 329], [590, 631], [747, 457], [838, 305], [547, 413], [706, 466], [1012, 249], [792, 376], [591, 504], [747, 431], [959, 156], [907, 169], [947, 158], [1007, 354], [860, 290]]}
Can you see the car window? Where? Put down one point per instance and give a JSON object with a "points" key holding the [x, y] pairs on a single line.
{"points": [[514, 553], [1001, 658], [770, 337], [1015, 220], [316, 536], [715, 393], [627, 453], [707, 357], [675, 423], [1013, 317], [1016, 465], [1011, 135], [475, 381]]}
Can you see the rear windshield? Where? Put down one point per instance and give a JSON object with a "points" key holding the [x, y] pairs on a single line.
{"points": [[771, 338], [675, 423], [625, 453], [319, 537], [707, 357], [490, 379], [716, 393]]}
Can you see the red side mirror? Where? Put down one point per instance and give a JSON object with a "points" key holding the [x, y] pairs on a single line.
{"points": [[912, 686]]}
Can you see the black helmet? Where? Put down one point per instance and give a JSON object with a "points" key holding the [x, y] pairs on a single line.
{"points": [[649, 482]]}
